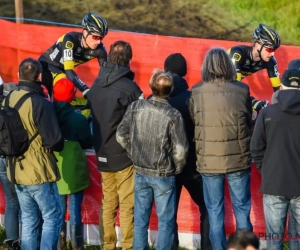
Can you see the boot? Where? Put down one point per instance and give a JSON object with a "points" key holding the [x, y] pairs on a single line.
{"points": [[12, 244], [76, 237], [62, 243]]}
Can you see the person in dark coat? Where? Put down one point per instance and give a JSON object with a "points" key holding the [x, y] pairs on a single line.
{"points": [[278, 160], [189, 177], [111, 94]]}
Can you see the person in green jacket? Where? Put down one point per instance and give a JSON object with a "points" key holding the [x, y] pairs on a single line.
{"points": [[72, 162]]}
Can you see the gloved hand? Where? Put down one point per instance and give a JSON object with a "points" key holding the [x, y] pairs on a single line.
{"points": [[85, 91], [259, 105]]}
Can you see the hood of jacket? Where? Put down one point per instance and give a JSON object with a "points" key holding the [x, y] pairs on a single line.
{"points": [[63, 111], [289, 101], [31, 86], [110, 73], [180, 85]]}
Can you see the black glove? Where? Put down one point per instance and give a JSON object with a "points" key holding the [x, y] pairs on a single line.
{"points": [[259, 105]]}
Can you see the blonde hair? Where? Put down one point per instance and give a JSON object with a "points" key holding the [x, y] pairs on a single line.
{"points": [[217, 67], [161, 83]]}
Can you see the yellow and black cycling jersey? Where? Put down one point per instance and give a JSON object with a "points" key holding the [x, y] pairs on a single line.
{"points": [[242, 58], [67, 53]]}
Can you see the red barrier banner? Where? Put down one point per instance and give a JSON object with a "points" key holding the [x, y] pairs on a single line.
{"points": [[19, 41]]}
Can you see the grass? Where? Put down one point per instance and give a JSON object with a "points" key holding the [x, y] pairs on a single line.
{"points": [[219, 19]]}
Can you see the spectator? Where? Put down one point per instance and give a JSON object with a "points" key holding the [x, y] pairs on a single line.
{"points": [[221, 109], [189, 177], [292, 241], [243, 240], [294, 64], [278, 159], [36, 173], [72, 161], [153, 134], [113, 91], [12, 206]]}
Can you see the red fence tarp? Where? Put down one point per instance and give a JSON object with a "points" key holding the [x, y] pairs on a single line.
{"points": [[19, 41]]}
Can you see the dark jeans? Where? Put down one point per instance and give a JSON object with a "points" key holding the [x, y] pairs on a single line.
{"points": [[195, 189], [12, 206]]}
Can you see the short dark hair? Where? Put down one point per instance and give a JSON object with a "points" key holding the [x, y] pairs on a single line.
{"points": [[120, 53], [30, 69], [161, 83], [241, 239]]}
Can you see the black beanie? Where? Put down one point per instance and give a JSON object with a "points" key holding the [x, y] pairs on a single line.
{"points": [[176, 63], [294, 64]]}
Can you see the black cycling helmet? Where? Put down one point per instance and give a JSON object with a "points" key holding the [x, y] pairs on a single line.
{"points": [[266, 36], [92, 22]]}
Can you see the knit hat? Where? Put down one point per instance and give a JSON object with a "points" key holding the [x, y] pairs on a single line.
{"points": [[291, 78], [176, 63], [64, 91], [294, 64]]}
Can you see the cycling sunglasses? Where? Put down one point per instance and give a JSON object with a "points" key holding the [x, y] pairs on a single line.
{"points": [[270, 50], [96, 37], [267, 47]]}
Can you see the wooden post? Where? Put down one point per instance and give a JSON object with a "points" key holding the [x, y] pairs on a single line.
{"points": [[19, 10]]}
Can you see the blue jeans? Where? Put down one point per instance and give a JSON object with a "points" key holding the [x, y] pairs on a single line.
{"points": [[162, 190], [75, 201], [12, 206], [294, 243], [239, 187], [38, 201], [275, 210]]}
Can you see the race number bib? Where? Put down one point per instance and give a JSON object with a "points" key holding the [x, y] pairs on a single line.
{"points": [[68, 55], [276, 70]]}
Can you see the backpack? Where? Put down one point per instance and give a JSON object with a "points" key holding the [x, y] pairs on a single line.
{"points": [[14, 139], [5, 89]]}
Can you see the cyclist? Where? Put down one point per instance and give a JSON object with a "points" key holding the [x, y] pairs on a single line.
{"points": [[73, 49], [250, 59]]}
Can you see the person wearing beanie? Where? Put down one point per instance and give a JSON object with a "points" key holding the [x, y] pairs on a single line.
{"points": [[72, 161], [293, 65], [280, 171], [64, 91], [189, 177], [176, 64]]}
